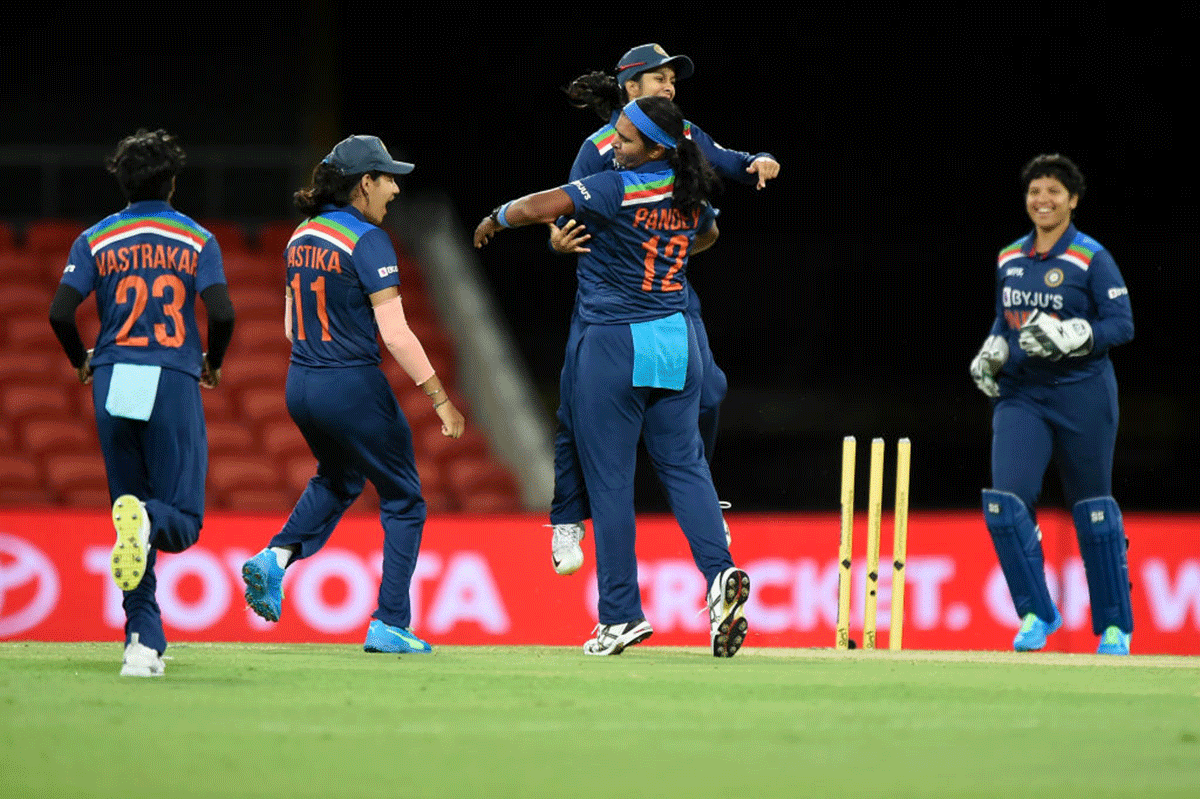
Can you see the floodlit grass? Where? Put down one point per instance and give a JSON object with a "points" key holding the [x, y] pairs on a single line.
{"points": [[244, 720]]}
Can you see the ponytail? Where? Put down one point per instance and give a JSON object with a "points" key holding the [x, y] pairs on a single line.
{"points": [[597, 91], [328, 187], [695, 181]]}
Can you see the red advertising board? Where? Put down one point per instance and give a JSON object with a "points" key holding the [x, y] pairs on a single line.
{"points": [[488, 580]]}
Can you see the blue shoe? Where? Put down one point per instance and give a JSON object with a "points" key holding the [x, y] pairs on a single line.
{"points": [[1114, 641], [1033, 632], [264, 585], [386, 638]]}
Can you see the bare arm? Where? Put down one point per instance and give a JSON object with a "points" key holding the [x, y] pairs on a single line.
{"points": [[705, 240], [541, 208]]}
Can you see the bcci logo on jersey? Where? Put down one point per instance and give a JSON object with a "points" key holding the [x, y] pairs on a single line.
{"points": [[1054, 278]]}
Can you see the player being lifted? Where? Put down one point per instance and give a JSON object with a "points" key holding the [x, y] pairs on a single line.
{"points": [[644, 71]]}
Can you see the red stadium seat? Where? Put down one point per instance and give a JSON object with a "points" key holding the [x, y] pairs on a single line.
{"points": [[218, 403], [247, 370], [20, 482], [272, 238], [430, 443], [52, 235], [18, 267], [467, 476], [231, 236], [259, 405], [55, 434], [261, 336], [77, 478], [18, 400], [233, 478], [226, 437], [297, 471], [30, 331], [31, 367], [281, 440], [257, 499], [25, 297], [253, 269], [255, 302]]}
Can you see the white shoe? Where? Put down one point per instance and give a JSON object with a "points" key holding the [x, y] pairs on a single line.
{"points": [[728, 535], [611, 639], [129, 553], [141, 660], [565, 552], [726, 611]]}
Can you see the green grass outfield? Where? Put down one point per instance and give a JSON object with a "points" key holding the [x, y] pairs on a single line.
{"points": [[249, 720]]}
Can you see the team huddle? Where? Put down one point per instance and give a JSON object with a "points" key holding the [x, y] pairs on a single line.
{"points": [[636, 206]]}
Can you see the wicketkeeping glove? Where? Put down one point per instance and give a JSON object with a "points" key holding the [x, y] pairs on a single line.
{"points": [[1046, 337], [987, 364]]}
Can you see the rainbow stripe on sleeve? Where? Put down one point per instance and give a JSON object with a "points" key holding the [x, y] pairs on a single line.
{"points": [[639, 191], [1009, 253], [327, 230], [169, 227], [603, 138], [1079, 255]]}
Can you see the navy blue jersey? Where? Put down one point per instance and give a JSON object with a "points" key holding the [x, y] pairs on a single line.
{"points": [[335, 260], [146, 263], [1076, 279], [595, 154], [637, 268]]}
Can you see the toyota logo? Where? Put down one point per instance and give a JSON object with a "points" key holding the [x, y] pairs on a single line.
{"points": [[21, 564]]}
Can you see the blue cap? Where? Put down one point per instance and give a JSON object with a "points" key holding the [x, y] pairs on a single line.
{"points": [[356, 155], [649, 56]]}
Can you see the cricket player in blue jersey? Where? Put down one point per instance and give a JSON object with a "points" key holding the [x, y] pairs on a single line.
{"points": [[147, 264], [343, 289], [644, 71], [635, 363], [1061, 305]]}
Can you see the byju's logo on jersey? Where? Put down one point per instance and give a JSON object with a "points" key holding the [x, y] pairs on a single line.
{"points": [[384, 271], [582, 189], [1054, 278], [1118, 291]]}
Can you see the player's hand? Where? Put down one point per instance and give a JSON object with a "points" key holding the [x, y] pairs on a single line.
{"points": [[987, 364], [209, 377], [453, 423], [765, 168], [1046, 337], [85, 372], [484, 231], [569, 239]]}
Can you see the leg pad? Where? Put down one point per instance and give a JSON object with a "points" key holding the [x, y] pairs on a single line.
{"points": [[1019, 549], [1103, 545]]}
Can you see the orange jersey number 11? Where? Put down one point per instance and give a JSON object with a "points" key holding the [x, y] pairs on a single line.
{"points": [[318, 288]]}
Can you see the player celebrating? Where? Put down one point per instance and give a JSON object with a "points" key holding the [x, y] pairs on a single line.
{"points": [[147, 264], [1061, 305], [342, 286], [635, 362], [644, 71]]}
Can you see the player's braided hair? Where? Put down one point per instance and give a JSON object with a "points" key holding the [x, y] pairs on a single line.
{"points": [[597, 91], [1054, 166], [329, 187], [145, 163], [695, 181]]}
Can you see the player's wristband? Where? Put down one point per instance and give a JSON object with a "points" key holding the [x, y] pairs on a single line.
{"points": [[499, 215]]}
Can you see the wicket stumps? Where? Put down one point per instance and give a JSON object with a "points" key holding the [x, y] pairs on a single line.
{"points": [[874, 522]]}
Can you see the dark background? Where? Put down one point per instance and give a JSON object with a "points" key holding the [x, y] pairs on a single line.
{"points": [[848, 297]]}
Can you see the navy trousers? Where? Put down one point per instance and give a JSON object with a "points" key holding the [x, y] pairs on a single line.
{"points": [[570, 503], [610, 415], [356, 431], [164, 463]]}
